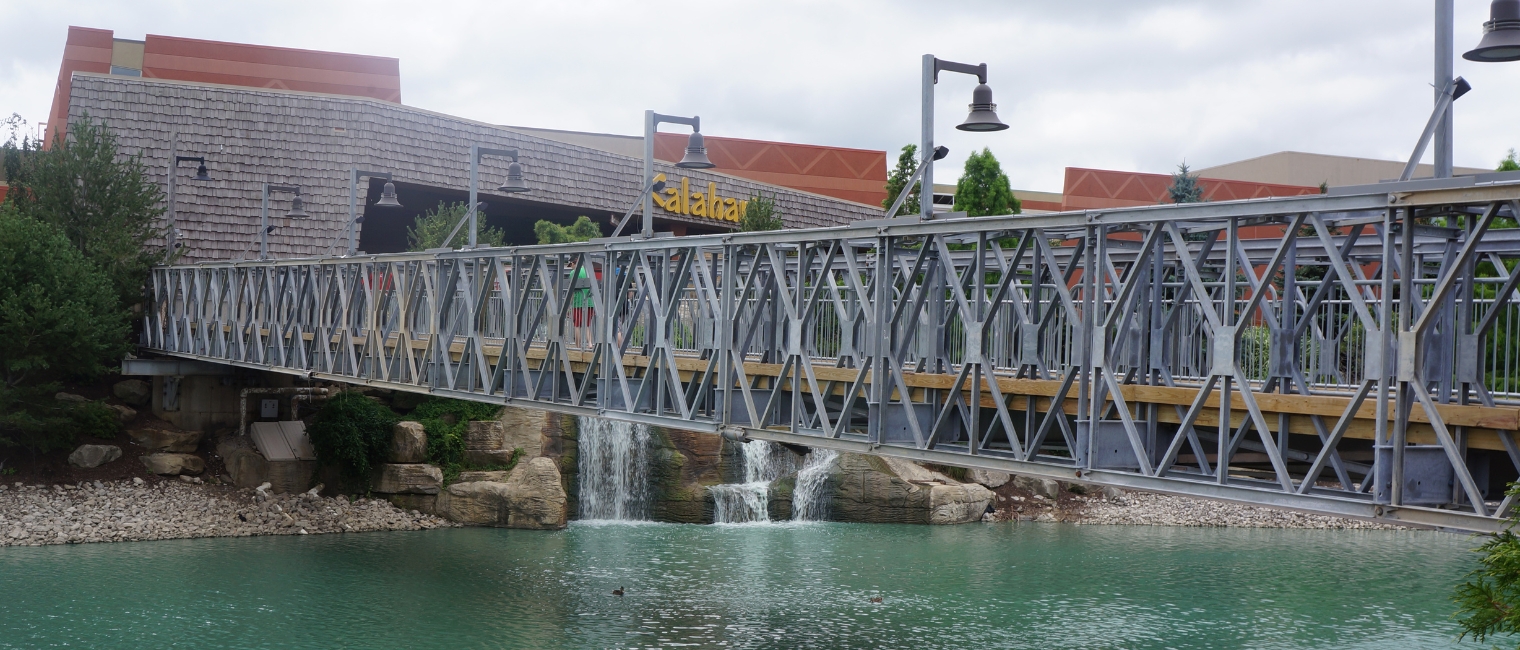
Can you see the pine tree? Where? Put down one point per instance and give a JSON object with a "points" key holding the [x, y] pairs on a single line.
{"points": [[1185, 187], [983, 189], [907, 163], [760, 214], [429, 229], [1509, 164]]}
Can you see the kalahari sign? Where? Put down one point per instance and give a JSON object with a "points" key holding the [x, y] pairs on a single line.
{"points": [[708, 204]]}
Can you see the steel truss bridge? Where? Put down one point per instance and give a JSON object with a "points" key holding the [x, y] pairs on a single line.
{"points": [[1350, 354]]}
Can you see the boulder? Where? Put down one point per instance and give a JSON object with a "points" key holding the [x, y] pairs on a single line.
{"points": [[485, 443], [123, 413], [531, 497], [248, 468], [523, 429], [173, 440], [407, 478], [133, 391], [171, 464], [1041, 486], [873, 489], [70, 397], [989, 478], [475, 477], [1111, 493], [408, 443], [94, 455]]}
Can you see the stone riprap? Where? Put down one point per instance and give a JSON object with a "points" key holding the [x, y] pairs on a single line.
{"points": [[1146, 509], [135, 511]]}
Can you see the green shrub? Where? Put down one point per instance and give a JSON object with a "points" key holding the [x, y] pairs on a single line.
{"points": [[31, 419], [445, 421], [353, 433], [59, 317]]}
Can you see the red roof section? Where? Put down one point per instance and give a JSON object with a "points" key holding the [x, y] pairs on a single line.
{"points": [[1087, 189], [858, 175]]}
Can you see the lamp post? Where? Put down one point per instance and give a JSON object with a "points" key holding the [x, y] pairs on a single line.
{"points": [[200, 175], [513, 185], [983, 117], [387, 200], [695, 158], [296, 212], [1501, 42]]}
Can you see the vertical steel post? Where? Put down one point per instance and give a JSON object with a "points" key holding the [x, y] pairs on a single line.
{"points": [[1443, 76], [648, 177], [926, 144], [173, 165], [264, 225], [353, 206], [474, 176]]}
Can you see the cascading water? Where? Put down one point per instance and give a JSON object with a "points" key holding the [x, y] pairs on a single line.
{"points": [[810, 501], [614, 470], [736, 503]]}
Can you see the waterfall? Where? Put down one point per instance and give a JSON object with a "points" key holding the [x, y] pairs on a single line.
{"points": [[736, 503], [614, 470], [810, 502]]}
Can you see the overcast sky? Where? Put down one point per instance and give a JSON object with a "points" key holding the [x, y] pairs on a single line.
{"points": [[1117, 84]]}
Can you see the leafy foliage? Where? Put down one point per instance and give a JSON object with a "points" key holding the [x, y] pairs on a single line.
{"points": [[59, 316], [445, 421], [1185, 187], [31, 419], [583, 229], [907, 163], [1488, 603], [353, 433], [760, 214], [1509, 164], [104, 204], [429, 229], [983, 189]]}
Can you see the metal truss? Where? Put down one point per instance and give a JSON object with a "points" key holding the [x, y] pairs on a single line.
{"points": [[1340, 354]]}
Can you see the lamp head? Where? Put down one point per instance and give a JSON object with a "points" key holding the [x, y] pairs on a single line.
{"points": [[296, 209], [1501, 34], [200, 173], [941, 151], [696, 154], [269, 229], [387, 197], [983, 116], [514, 182]]}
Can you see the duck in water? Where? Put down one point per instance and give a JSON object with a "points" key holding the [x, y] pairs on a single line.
{"points": [[618, 591]]}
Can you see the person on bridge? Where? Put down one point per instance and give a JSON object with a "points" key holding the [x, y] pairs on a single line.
{"points": [[582, 309]]}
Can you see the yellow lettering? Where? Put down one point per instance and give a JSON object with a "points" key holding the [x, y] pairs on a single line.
{"points": [[731, 213], [698, 204], [742, 205], [685, 192], [714, 203]]}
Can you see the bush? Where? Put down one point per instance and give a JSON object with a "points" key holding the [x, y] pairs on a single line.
{"points": [[353, 433], [430, 228], [583, 229], [760, 214], [445, 421], [59, 317], [31, 419]]}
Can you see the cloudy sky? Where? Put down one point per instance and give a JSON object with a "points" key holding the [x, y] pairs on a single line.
{"points": [[1118, 84]]}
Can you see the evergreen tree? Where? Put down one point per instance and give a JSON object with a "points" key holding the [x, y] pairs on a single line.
{"points": [[983, 189], [1488, 604], [429, 229], [907, 163], [760, 214], [1185, 187], [103, 203], [1509, 164], [583, 229]]}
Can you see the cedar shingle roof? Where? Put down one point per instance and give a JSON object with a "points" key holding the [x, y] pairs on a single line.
{"points": [[251, 135]]}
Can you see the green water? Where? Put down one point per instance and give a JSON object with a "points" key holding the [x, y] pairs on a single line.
{"points": [[777, 586]]}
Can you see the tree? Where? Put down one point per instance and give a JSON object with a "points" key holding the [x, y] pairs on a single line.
{"points": [[1509, 164], [760, 214], [1185, 187], [103, 203], [983, 189], [1488, 604], [59, 315], [583, 229], [907, 163], [429, 229]]}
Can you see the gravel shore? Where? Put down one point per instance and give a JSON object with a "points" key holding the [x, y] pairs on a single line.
{"points": [[121, 511], [1146, 509]]}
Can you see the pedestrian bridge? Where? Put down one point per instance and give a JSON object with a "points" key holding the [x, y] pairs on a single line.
{"points": [[1354, 353]]}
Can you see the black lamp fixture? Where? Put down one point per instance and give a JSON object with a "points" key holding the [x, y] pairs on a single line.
{"points": [[1501, 34], [296, 211], [514, 182], [983, 116], [388, 197], [696, 152], [200, 173]]}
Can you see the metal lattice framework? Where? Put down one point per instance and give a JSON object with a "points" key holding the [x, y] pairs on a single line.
{"points": [[1340, 354]]}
